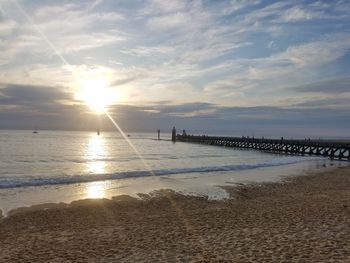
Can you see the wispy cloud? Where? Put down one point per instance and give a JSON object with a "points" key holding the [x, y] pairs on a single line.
{"points": [[337, 86], [229, 53], [297, 14], [69, 27]]}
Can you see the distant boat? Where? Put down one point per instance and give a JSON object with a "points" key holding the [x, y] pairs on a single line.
{"points": [[35, 130], [129, 135]]}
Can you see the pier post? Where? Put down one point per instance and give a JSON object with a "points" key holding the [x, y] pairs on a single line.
{"points": [[173, 134]]}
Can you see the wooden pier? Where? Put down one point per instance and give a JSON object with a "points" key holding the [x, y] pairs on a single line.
{"points": [[328, 148]]}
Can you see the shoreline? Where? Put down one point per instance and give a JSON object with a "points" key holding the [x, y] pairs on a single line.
{"points": [[304, 218], [197, 184], [229, 188]]}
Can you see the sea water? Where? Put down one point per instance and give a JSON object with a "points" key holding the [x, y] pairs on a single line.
{"points": [[55, 166]]}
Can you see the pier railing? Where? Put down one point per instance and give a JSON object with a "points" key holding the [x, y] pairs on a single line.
{"points": [[328, 148]]}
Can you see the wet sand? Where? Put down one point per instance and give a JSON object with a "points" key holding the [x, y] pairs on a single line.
{"points": [[306, 219]]}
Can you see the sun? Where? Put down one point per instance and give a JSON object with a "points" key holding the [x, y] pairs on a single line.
{"points": [[96, 94]]}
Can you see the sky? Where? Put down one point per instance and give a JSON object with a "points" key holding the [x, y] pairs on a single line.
{"points": [[258, 67]]}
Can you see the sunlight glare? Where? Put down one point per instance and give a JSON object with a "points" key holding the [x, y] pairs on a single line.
{"points": [[96, 94], [94, 154], [95, 190]]}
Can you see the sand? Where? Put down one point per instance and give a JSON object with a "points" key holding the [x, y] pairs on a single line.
{"points": [[306, 219]]}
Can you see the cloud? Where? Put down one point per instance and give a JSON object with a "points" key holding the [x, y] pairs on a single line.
{"points": [[227, 53], [328, 86], [144, 51], [123, 81], [212, 49], [326, 103], [171, 21], [294, 60], [31, 96], [26, 106], [319, 52], [157, 6], [232, 7], [68, 28], [297, 14], [7, 27], [186, 109], [269, 11], [73, 43], [43, 106]]}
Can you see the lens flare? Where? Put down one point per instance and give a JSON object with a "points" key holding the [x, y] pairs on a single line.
{"points": [[96, 97]]}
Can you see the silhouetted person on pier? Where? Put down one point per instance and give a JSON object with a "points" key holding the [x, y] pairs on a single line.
{"points": [[158, 134], [173, 135], [184, 133]]}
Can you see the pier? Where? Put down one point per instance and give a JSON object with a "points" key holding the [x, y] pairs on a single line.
{"points": [[328, 148]]}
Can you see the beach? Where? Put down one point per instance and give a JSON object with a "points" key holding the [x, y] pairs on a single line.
{"points": [[303, 219], [174, 131]]}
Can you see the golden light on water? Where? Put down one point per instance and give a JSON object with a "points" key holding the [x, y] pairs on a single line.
{"points": [[97, 167], [95, 153], [95, 190]]}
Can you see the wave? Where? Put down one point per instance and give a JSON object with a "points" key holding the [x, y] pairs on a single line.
{"points": [[73, 179], [87, 160], [112, 159]]}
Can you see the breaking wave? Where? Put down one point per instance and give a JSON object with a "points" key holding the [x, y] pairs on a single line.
{"points": [[9, 182]]}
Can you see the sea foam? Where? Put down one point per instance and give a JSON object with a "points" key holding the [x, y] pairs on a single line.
{"points": [[16, 182]]}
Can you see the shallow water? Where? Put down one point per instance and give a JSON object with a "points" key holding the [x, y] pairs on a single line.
{"points": [[56, 166]]}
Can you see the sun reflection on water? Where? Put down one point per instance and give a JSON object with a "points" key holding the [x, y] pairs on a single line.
{"points": [[95, 190], [95, 153]]}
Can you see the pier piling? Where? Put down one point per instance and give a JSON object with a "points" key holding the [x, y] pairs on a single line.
{"points": [[328, 148], [173, 134]]}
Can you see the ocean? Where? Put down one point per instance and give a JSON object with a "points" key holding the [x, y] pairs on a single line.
{"points": [[62, 166]]}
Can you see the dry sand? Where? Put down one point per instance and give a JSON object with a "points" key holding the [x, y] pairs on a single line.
{"points": [[304, 220]]}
